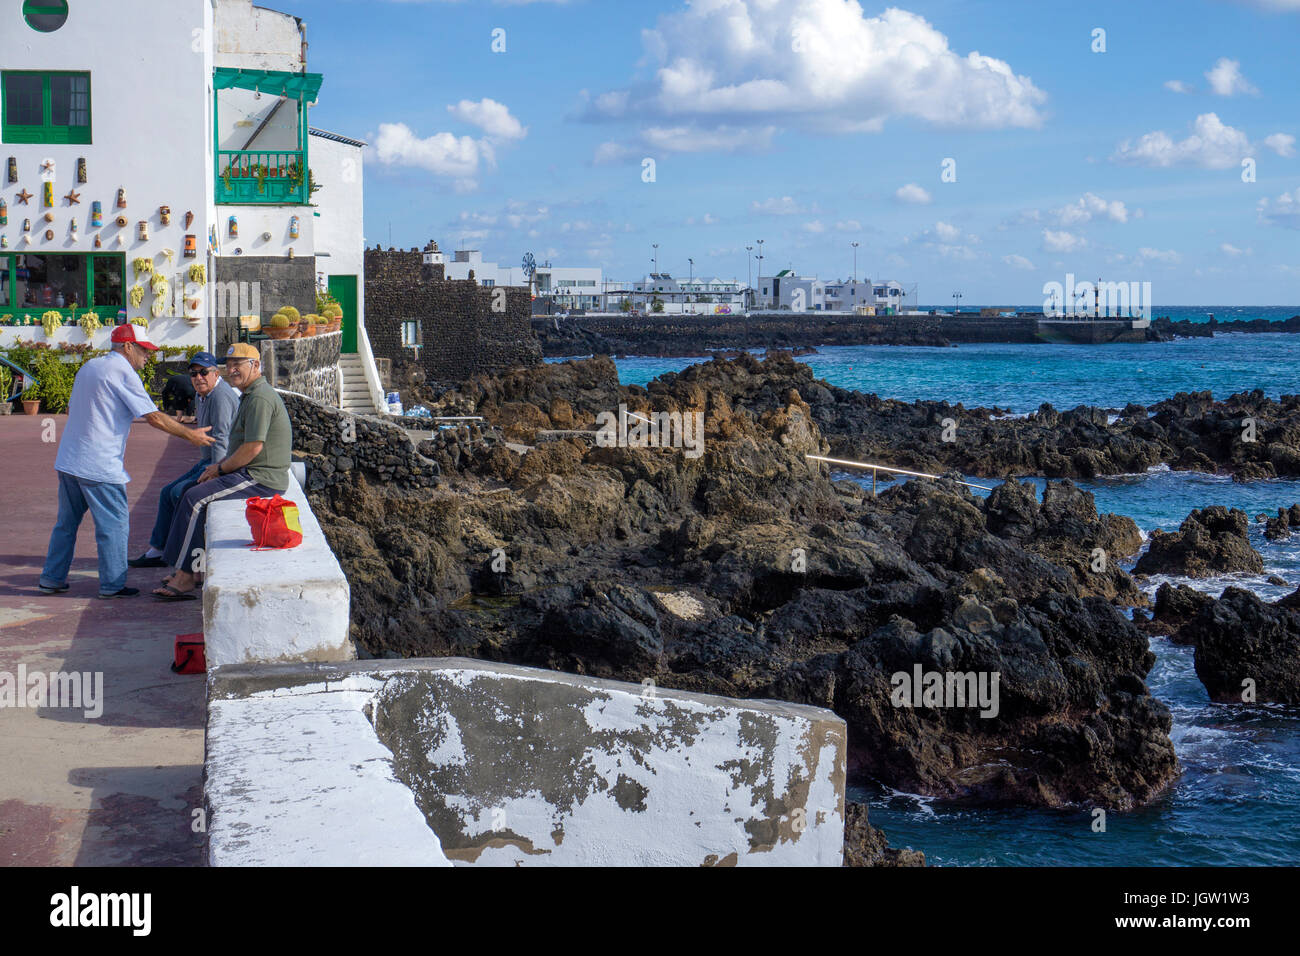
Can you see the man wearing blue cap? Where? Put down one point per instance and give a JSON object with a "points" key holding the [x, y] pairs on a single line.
{"points": [[215, 406]]}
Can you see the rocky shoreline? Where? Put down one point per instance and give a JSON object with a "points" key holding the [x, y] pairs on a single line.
{"points": [[747, 571]]}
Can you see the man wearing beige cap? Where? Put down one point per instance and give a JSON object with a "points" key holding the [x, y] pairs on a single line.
{"points": [[262, 439], [107, 396]]}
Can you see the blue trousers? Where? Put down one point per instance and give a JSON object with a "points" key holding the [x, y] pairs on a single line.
{"points": [[107, 506], [168, 499], [188, 536]]}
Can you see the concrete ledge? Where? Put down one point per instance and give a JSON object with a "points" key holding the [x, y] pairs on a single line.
{"points": [[512, 766], [272, 605]]}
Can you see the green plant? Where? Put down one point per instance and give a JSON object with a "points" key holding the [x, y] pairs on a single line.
{"points": [[90, 323], [324, 301], [227, 179], [261, 178], [199, 274], [50, 321], [141, 321], [294, 315], [658, 306], [280, 321], [6, 383], [56, 377], [142, 266], [625, 306]]}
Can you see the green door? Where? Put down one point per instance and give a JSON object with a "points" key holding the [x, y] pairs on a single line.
{"points": [[344, 291]]}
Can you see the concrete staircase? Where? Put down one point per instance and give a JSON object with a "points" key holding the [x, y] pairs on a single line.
{"points": [[356, 393]]}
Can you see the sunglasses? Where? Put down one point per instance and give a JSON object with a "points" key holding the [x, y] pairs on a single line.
{"points": [[201, 373]]}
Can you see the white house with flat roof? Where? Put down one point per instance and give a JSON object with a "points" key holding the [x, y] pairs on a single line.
{"points": [[168, 138]]}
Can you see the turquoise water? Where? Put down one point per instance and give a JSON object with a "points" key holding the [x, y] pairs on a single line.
{"points": [[1237, 799]]}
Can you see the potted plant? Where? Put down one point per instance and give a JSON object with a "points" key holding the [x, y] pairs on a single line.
{"points": [[280, 327], [334, 312], [32, 400], [261, 178], [310, 325], [6, 386]]}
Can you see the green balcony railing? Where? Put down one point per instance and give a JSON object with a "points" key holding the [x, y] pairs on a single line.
{"points": [[248, 177]]}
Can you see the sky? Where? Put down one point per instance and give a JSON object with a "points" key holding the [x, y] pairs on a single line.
{"points": [[970, 146]]}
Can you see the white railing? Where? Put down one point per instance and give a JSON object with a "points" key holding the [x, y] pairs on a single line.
{"points": [[893, 471]]}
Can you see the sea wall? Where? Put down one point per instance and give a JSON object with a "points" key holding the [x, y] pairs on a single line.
{"points": [[512, 766], [670, 335]]}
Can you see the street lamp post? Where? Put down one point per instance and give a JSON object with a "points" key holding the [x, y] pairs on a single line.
{"points": [[656, 259], [957, 297], [855, 267], [760, 259]]}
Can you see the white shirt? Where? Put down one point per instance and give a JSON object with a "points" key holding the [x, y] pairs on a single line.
{"points": [[107, 396]]}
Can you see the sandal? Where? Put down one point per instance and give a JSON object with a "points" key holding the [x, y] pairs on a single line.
{"points": [[174, 595]]}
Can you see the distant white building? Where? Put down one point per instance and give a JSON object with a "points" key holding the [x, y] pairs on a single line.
{"points": [[788, 291], [849, 295], [572, 287]]}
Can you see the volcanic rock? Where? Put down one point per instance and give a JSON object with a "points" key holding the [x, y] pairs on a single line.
{"points": [[1244, 644], [1210, 541]]}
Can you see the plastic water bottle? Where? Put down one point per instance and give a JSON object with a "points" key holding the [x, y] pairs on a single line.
{"points": [[395, 408]]}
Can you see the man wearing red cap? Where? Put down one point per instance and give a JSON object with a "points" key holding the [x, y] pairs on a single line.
{"points": [[107, 396]]}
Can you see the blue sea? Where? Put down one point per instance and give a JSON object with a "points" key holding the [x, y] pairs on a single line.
{"points": [[1237, 799]]}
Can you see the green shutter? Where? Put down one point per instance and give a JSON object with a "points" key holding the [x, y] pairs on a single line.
{"points": [[65, 107]]}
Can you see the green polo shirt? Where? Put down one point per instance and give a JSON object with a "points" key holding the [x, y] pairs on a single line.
{"points": [[263, 417]]}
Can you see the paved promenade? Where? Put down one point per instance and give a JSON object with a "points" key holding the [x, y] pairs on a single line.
{"points": [[119, 789]]}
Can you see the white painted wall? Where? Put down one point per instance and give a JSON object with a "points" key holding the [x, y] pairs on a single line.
{"points": [[150, 69], [250, 37]]}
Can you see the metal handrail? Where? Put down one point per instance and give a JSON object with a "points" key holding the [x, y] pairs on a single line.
{"points": [[894, 471]]}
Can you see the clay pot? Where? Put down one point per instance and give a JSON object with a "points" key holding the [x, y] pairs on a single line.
{"points": [[31, 407], [308, 330], [280, 333]]}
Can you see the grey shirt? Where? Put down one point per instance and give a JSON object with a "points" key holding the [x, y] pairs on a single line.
{"points": [[217, 410]]}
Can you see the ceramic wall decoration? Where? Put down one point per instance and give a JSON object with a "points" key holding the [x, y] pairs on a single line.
{"points": [[49, 217], [165, 215], [144, 231], [13, 169], [293, 228], [291, 252], [234, 227], [49, 234], [72, 229], [266, 237], [189, 219], [27, 225], [121, 222], [4, 213], [81, 170], [47, 194], [23, 197], [73, 197], [96, 214], [4, 242], [191, 247], [99, 243], [121, 199]]}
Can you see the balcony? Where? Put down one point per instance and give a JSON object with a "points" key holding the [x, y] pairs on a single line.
{"points": [[250, 177]]}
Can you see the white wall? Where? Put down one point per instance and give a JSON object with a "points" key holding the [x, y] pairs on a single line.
{"points": [[151, 126], [255, 38]]}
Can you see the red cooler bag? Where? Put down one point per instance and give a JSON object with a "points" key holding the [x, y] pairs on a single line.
{"points": [[190, 655], [274, 523]]}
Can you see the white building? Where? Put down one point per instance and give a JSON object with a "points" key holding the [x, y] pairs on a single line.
{"points": [[788, 291], [570, 287], [849, 295], [172, 133]]}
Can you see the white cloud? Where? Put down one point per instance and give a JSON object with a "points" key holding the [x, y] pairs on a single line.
{"points": [[912, 193], [816, 227], [1211, 145], [817, 64], [608, 154], [784, 206], [1281, 143], [1283, 211], [1054, 241], [1018, 262], [690, 138], [1177, 86], [443, 154], [1091, 205], [1226, 79], [1228, 249], [946, 231], [490, 116], [848, 225], [1167, 256]]}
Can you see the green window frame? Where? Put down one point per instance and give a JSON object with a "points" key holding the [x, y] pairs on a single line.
{"points": [[104, 292], [60, 100]]}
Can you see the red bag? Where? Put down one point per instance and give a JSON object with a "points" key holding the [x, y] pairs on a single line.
{"points": [[191, 657], [274, 523]]}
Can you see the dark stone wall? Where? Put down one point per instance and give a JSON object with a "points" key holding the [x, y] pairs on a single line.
{"points": [[279, 281], [309, 366], [462, 332], [338, 446]]}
